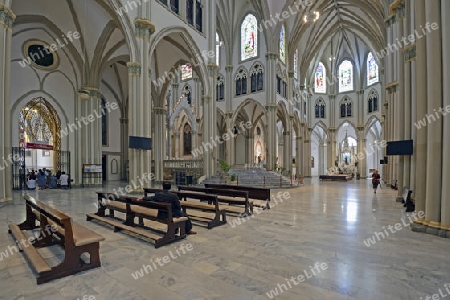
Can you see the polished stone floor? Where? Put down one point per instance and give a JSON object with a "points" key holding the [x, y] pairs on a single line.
{"points": [[320, 224]]}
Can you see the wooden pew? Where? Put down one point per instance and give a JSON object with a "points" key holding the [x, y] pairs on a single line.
{"points": [[142, 210], [256, 193], [236, 197], [212, 205], [75, 239]]}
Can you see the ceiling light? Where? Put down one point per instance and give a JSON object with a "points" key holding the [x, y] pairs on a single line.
{"points": [[311, 16]]}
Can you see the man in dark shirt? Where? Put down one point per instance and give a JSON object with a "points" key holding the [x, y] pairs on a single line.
{"points": [[166, 196]]}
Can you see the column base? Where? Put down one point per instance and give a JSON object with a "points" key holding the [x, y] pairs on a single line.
{"points": [[6, 199], [443, 233]]}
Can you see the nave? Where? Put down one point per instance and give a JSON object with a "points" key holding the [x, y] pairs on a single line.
{"points": [[321, 222]]}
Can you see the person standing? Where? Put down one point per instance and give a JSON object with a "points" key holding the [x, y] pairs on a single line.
{"points": [[375, 180], [41, 179]]}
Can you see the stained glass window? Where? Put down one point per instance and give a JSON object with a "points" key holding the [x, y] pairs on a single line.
{"points": [[345, 76], [320, 109], [320, 79], [373, 101], [296, 64], [282, 45], [190, 11], [199, 16], [186, 72], [346, 108], [372, 69], [249, 37]]}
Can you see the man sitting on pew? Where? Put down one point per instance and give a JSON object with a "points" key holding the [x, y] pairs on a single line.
{"points": [[166, 196]]}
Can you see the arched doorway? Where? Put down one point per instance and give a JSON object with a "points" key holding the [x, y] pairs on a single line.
{"points": [[40, 129]]}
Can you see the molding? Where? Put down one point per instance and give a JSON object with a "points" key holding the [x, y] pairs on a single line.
{"points": [[7, 17], [134, 68], [144, 28]]}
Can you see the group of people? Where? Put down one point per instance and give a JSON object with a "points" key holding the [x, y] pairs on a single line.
{"points": [[44, 179]]}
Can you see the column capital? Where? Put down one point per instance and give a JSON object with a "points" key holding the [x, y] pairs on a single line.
{"points": [[134, 68], [360, 92], [360, 128], [144, 28], [286, 133], [124, 120], [271, 107], [88, 92], [299, 138], [331, 96], [271, 55], [7, 17], [291, 74], [229, 68], [159, 111], [213, 70], [332, 130], [196, 79], [206, 99], [229, 114]]}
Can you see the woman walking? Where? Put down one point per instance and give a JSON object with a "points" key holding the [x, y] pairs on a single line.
{"points": [[375, 180]]}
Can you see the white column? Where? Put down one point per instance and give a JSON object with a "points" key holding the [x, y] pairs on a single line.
{"points": [[140, 106], [434, 134], [159, 143], [7, 18], [445, 201], [271, 110], [91, 132], [421, 110]]}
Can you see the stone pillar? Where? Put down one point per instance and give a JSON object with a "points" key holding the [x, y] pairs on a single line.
{"points": [[287, 144], [124, 145], [271, 109], [330, 144], [159, 142], [230, 157], [209, 100], [307, 155], [7, 18], [298, 155], [271, 144], [229, 88], [421, 110], [434, 134], [445, 201], [139, 112], [251, 146], [176, 135], [91, 132]]}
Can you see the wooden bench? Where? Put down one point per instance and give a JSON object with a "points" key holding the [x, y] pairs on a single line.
{"points": [[75, 239], [255, 193], [341, 177], [212, 206], [231, 197], [133, 208]]}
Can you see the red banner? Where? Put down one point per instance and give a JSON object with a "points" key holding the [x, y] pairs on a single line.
{"points": [[38, 146]]}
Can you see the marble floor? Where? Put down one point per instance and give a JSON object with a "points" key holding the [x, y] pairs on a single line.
{"points": [[319, 233]]}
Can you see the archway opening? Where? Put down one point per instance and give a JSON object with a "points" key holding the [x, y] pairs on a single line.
{"points": [[39, 127]]}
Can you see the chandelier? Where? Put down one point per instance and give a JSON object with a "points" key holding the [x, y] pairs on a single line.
{"points": [[311, 16]]}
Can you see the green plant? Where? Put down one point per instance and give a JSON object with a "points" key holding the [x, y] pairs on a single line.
{"points": [[224, 166], [233, 177]]}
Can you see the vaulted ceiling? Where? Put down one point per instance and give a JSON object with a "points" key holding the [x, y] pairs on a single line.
{"points": [[345, 28]]}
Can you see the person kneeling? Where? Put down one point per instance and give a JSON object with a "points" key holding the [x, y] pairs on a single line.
{"points": [[166, 196]]}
